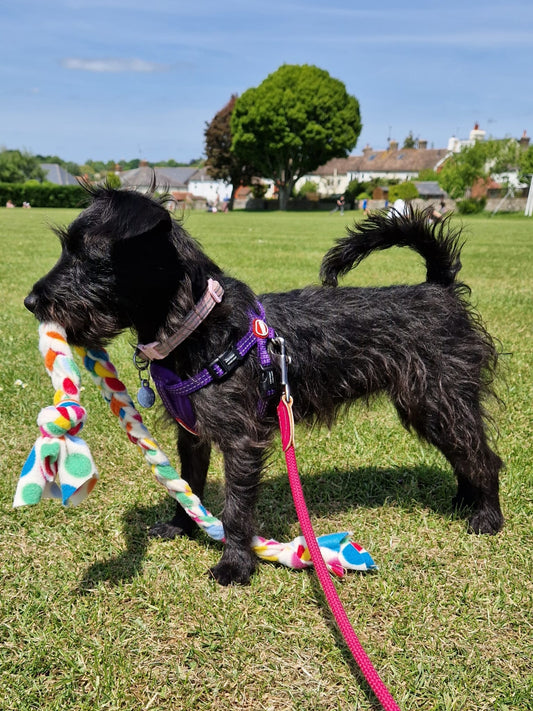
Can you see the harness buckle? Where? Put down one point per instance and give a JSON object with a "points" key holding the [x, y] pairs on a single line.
{"points": [[227, 362]]}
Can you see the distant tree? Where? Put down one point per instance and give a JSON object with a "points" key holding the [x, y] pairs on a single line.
{"points": [[112, 180], [428, 174], [129, 164], [296, 120], [478, 161], [94, 167], [222, 163], [69, 166], [409, 141], [461, 170], [19, 167], [525, 164]]}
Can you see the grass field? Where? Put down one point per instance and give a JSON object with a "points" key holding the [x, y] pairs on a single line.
{"points": [[94, 615]]}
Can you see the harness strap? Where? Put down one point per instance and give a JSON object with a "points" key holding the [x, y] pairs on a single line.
{"points": [[174, 391], [211, 297]]}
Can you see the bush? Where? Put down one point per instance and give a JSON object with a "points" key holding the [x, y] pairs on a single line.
{"points": [[259, 190], [471, 206], [403, 191], [43, 194], [308, 190]]}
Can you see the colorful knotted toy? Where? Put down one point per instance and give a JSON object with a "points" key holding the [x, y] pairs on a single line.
{"points": [[60, 464]]}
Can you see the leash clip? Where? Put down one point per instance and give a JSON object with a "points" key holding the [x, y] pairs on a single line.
{"points": [[145, 394], [283, 360]]}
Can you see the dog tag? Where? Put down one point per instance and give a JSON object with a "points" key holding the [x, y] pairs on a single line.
{"points": [[145, 395]]}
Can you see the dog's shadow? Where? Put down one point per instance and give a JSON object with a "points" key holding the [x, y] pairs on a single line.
{"points": [[326, 493]]}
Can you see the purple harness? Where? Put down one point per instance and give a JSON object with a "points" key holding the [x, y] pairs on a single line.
{"points": [[174, 391]]}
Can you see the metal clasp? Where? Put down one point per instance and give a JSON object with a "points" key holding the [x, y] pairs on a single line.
{"points": [[283, 360], [139, 360]]}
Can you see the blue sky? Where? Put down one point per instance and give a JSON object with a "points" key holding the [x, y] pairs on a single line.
{"points": [[113, 79]]}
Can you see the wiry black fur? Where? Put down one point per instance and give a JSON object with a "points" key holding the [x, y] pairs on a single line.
{"points": [[126, 263]]}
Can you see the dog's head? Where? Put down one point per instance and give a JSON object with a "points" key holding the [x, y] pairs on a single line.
{"points": [[121, 263]]}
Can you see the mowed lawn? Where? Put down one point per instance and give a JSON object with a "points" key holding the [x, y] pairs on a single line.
{"points": [[94, 615]]}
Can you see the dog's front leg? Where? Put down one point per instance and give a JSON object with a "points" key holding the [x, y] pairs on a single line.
{"points": [[194, 456], [242, 467]]}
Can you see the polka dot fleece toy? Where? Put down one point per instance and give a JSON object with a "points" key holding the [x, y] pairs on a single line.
{"points": [[60, 464]]}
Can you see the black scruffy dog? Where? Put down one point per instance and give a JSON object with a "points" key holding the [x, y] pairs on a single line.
{"points": [[125, 263]]}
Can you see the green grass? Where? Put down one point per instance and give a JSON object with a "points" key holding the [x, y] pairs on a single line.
{"points": [[93, 615]]}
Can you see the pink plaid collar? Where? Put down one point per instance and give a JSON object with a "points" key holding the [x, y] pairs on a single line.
{"points": [[159, 350]]}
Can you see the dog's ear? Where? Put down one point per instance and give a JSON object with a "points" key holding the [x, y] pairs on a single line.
{"points": [[131, 214]]}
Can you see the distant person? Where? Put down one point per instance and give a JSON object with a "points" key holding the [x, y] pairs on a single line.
{"points": [[9, 204], [340, 205], [439, 214], [399, 206], [26, 205]]}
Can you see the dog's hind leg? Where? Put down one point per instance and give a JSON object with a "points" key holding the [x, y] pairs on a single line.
{"points": [[477, 488], [194, 456], [462, 439], [243, 464]]}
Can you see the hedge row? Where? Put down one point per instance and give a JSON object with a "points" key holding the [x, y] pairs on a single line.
{"points": [[43, 194]]}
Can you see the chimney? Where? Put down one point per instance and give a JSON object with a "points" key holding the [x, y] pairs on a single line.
{"points": [[524, 141], [477, 134], [393, 145], [367, 150], [422, 145]]}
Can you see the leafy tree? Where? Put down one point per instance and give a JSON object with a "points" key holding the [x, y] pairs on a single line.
{"points": [[525, 164], [297, 119], [19, 166], [478, 161], [222, 163], [409, 141], [461, 170], [112, 180]]}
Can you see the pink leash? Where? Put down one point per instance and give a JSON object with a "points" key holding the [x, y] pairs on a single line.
{"points": [[286, 424]]}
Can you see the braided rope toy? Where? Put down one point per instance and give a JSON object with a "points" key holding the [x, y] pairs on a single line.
{"points": [[60, 465]]}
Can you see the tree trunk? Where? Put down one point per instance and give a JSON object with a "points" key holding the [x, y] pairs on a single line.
{"points": [[284, 193], [234, 188]]}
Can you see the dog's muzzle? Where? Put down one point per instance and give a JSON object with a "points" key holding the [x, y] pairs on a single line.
{"points": [[30, 302]]}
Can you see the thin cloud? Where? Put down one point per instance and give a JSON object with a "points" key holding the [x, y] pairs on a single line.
{"points": [[112, 65]]}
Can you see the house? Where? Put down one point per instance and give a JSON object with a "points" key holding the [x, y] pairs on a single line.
{"points": [[455, 145], [57, 175], [201, 184], [392, 164], [187, 184]]}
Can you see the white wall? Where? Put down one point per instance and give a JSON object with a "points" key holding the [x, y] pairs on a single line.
{"points": [[210, 189]]}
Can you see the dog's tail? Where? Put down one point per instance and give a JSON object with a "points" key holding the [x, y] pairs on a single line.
{"points": [[435, 241]]}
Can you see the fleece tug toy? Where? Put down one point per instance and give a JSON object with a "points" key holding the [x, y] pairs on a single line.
{"points": [[60, 464]]}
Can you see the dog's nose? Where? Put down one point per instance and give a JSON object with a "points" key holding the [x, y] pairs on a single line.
{"points": [[30, 302]]}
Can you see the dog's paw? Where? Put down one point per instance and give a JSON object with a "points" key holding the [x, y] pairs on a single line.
{"points": [[486, 521], [167, 530], [462, 501], [233, 572]]}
